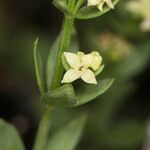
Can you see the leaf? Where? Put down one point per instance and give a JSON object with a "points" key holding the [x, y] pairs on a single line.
{"points": [[51, 62], [100, 69], [67, 96], [125, 135], [39, 68], [89, 12], [88, 92], [9, 137], [62, 6], [67, 137], [74, 43], [62, 96]]}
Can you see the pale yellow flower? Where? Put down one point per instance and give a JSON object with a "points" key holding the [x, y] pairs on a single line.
{"points": [[82, 66], [100, 3], [141, 8], [145, 25]]}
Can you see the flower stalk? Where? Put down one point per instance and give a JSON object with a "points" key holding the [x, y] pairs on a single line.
{"points": [[42, 134], [63, 46], [43, 130]]}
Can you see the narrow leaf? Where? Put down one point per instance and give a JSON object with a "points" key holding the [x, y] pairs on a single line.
{"points": [[39, 68], [88, 92], [89, 12], [68, 137], [9, 137], [63, 96], [62, 6], [74, 43], [51, 62]]}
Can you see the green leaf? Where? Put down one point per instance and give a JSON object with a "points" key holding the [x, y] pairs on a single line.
{"points": [[62, 6], [88, 92], [89, 12], [9, 137], [74, 43], [51, 62], [100, 69], [67, 96], [68, 137], [39, 68], [125, 135], [63, 96]]}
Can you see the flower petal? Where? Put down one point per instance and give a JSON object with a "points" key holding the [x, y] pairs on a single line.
{"points": [[70, 76], [73, 60], [100, 6], [87, 60], [97, 60], [145, 25], [80, 54], [88, 76], [93, 2], [109, 3]]}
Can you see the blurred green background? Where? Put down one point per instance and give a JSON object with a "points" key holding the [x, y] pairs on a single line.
{"points": [[117, 120]]}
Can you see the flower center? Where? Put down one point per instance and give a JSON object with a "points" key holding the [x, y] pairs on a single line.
{"points": [[80, 69]]}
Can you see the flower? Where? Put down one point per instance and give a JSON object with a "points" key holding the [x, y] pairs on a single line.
{"points": [[139, 7], [82, 66], [145, 25], [142, 9], [100, 3], [114, 47]]}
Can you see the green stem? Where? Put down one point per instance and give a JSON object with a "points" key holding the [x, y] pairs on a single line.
{"points": [[63, 46], [42, 134], [71, 4], [79, 3]]}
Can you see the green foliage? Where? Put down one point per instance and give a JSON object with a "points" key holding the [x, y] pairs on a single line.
{"points": [[51, 63], [67, 96], [62, 6], [100, 69], [68, 137], [62, 96], [109, 128], [69, 8], [125, 135], [9, 137], [73, 9], [87, 92], [43, 131], [39, 68], [65, 37], [89, 12]]}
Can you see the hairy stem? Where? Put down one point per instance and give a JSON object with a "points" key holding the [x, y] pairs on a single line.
{"points": [[42, 134], [79, 3], [63, 46]]}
